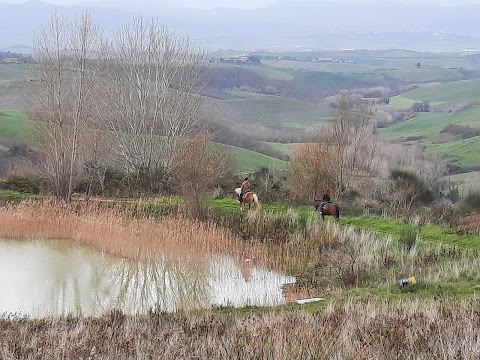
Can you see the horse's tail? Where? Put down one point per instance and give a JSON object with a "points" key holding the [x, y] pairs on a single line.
{"points": [[255, 200], [337, 211]]}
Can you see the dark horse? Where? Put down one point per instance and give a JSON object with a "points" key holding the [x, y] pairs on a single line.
{"points": [[248, 198], [328, 209]]}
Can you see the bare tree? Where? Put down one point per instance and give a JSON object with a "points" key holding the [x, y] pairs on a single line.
{"points": [[94, 151], [68, 56], [201, 163], [152, 96], [312, 171], [350, 130]]}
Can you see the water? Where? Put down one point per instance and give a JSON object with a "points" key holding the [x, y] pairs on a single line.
{"points": [[43, 278]]}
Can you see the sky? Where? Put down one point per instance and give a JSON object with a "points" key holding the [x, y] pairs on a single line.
{"points": [[248, 4]]}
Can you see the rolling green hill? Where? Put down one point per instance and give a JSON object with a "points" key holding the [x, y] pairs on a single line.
{"points": [[14, 124], [465, 152], [261, 69], [250, 161], [272, 111], [430, 124], [445, 94], [466, 182], [13, 86], [426, 129]]}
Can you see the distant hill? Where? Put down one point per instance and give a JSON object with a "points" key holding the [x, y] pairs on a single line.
{"points": [[282, 25]]}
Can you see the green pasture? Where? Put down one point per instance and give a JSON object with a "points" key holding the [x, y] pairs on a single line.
{"points": [[466, 182], [15, 72], [336, 81], [274, 111], [423, 74], [14, 86], [288, 149], [382, 225], [465, 152], [261, 69], [397, 63], [323, 66], [449, 93], [14, 124], [427, 233], [249, 161], [431, 123]]}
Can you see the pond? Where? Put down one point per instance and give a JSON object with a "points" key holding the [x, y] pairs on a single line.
{"points": [[57, 277]]}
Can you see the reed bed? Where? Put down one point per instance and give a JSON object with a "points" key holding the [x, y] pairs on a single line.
{"points": [[409, 330], [120, 231], [115, 230]]}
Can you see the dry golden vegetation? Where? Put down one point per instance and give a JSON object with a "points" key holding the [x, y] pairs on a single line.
{"points": [[413, 330], [113, 229], [361, 327]]}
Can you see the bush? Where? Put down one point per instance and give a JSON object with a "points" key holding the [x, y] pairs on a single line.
{"points": [[408, 236], [30, 184], [473, 200]]}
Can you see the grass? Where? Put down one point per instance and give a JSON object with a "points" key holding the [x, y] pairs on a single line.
{"points": [[261, 69], [424, 74], [13, 196], [250, 161], [15, 72], [411, 329], [372, 316], [450, 93], [463, 152], [429, 124], [275, 111], [465, 181], [288, 149], [14, 124], [429, 233]]}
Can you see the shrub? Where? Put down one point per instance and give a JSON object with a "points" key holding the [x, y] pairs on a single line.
{"points": [[473, 200], [408, 236], [24, 184]]}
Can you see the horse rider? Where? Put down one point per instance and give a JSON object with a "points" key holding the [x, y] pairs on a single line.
{"points": [[325, 199], [244, 188]]}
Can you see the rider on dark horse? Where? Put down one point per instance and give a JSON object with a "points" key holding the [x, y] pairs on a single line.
{"points": [[244, 188], [325, 199]]}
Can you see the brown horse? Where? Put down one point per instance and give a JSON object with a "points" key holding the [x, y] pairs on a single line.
{"points": [[328, 209], [248, 198]]}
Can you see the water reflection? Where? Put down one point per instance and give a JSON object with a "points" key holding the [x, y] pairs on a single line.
{"points": [[39, 278]]}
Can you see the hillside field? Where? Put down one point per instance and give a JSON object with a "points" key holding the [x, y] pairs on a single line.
{"points": [[442, 96]]}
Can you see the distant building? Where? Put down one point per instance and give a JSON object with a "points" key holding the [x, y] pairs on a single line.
{"points": [[241, 59], [10, 60]]}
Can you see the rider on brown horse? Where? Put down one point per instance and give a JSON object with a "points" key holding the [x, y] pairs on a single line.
{"points": [[244, 188], [325, 199]]}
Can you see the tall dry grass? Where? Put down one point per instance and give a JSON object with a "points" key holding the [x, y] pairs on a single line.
{"points": [[273, 241], [412, 330], [385, 260], [114, 230]]}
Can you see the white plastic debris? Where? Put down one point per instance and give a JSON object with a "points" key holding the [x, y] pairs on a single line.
{"points": [[306, 301]]}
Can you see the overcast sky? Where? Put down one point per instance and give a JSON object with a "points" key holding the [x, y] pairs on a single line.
{"points": [[249, 4]]}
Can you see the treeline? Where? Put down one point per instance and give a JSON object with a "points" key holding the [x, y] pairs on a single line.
{"points": [[307, 86], [141, 89], [13, 55]]}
